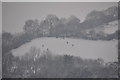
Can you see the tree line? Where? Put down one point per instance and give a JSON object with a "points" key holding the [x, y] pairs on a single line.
{"points": [[47, 65]]}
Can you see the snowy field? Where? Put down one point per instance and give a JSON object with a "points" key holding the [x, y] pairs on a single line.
{"points": [[106, 50]]}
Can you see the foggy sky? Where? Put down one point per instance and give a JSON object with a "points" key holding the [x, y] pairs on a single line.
{"points": [[16, 13]]}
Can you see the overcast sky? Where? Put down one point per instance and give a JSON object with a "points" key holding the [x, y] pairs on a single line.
{"points": [[16, 13]]}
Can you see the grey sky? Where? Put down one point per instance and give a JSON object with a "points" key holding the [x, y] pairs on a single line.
{"points": [[16, 13]]}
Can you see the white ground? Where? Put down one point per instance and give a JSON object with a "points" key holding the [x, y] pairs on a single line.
{"points": [[106, 50]]}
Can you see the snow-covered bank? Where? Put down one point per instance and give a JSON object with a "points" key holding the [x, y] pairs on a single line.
{"points": [[106, 50]]}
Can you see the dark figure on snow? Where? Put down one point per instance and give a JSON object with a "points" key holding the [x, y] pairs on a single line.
{"points": [[42, 45], [67, 42]]}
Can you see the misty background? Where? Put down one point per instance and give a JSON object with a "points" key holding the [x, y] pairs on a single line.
{"points": [[15, 14]]}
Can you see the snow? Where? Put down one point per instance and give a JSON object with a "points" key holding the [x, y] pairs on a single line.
{"points": [[111, 28], [106, 50]]}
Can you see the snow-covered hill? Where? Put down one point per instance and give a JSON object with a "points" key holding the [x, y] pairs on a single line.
{"points": [[111, 27], [105, 29], [106, 50]]}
